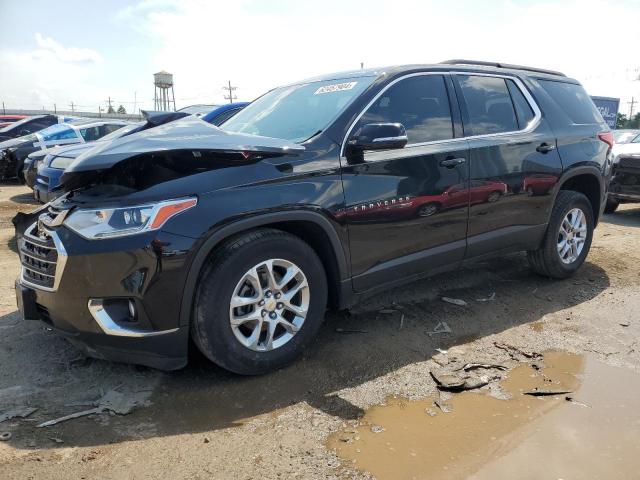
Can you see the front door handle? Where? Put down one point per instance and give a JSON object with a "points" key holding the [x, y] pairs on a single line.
{"points": [[452, 162], [545, 148]]}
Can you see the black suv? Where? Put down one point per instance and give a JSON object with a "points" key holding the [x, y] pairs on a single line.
{"points": [[315, 195]]}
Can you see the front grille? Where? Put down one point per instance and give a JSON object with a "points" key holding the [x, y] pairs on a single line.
{"points": [[39, 258]]}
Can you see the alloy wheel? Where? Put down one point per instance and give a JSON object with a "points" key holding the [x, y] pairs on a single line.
{"points": [[572, 236], [269, 305]]}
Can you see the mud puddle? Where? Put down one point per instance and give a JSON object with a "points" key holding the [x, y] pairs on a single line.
{"points": [[592, 435]]}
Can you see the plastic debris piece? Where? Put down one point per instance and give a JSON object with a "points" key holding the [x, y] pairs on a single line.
{"points": [[377, 429], [83, 413], [4, 436], [440, 350], [431, 412], [56, 440], [546, 393], [512, 351], [576, 402], [348, 330], [474, 366], [442, 327], [490, 298], [455, 301], [625, 324], [19, 412]]}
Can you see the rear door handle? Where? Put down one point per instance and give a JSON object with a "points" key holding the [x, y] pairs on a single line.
{"points": [[545, 148], [452, 162]]}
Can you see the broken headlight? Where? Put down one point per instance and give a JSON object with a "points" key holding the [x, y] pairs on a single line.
{"points": [[102, 223]]}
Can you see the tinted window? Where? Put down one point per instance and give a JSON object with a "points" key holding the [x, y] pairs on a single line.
{"points": [[61, 132], [524, 111], [224, 116], [90, 133], [488, 105], [574, 101], [419, 103]]}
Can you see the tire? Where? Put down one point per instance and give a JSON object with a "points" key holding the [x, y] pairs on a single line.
{"points": [[546, 260], [494, 197], [429, 209], [611, 206], [212, 330]]}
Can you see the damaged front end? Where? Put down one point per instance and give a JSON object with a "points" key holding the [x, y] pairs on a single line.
{"points": [[105, 263]]}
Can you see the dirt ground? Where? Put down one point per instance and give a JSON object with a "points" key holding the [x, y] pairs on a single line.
{"points": [[314, 418]]}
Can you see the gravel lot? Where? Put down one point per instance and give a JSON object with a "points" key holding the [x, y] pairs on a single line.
{"points": [[202, 422]]}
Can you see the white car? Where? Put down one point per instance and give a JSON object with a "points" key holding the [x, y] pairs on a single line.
{"points": [[626, 142]]}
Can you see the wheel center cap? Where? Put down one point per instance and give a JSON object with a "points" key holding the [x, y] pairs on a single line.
{"points": [[270, 304]]}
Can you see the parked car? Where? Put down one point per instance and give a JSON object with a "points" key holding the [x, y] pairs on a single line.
{"points": [[14, 153], [50, 164], [625, 182], [30, 125], [6, 120], [231, 236], [626, 142]]}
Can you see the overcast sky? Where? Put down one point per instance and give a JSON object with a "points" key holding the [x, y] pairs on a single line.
{"points": [[85, 51]]}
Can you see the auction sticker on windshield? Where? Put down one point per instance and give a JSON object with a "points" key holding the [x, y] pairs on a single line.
{"points": [[336, 87]]}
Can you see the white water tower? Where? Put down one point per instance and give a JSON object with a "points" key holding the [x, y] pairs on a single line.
{"points": [[164, 95]]}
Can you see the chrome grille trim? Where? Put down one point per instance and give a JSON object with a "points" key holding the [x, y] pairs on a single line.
{"points": [[34, 274]]}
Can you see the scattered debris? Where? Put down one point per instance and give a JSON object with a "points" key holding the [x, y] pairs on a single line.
{"points": [[56, 440], [377, 429], [512, 351], [454, 301], [206, 440], [454, 383], [401, 321], [490, 298], [431, 412], [19, 412], [441, 327], [113, 401], [576, 402], [347, 330], [546, 393], [443, 406], [625, 324], [4, 436], [440, 350], [474, 366]]}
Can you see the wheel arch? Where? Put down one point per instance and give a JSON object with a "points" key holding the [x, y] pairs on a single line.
{"points": [[312, 227], [589, 181]]}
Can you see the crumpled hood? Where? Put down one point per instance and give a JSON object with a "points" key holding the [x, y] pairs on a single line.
{"points": [[14, 142], [189, 133]]}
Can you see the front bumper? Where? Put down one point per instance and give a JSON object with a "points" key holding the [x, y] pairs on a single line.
{"points": [[625, 181], [81, 289]]}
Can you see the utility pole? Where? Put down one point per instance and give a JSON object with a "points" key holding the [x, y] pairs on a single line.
{"points": [[135, 101], [99, 111], [4, 112], [361, 65], [631, 104], [55, 108], [73, 107], [231, 97], [110, 109]]}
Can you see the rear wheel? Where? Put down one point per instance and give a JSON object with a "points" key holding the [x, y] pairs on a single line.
{"points": [[261, 299], [568, 238], [612, 205]]}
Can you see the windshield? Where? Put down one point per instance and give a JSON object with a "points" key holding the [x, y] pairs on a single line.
{"points": [[625, 137], [121, 132], [297, 112]]}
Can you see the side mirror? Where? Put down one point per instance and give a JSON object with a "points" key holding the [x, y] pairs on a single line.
{"points": [[379, 136]]}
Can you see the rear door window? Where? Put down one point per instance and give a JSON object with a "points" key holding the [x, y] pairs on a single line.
{"points": [[419, 103], [489, 106], [574, 101]]}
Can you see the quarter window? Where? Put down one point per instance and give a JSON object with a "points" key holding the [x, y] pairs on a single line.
{"points": [[419, 103], [523, 109], [489, 105]]}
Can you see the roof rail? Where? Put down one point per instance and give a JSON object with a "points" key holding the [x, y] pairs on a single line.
{"points": [[502, 65]]}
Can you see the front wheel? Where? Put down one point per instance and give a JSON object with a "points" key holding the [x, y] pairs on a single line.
{"points": [[261, 299], [568, 237]]}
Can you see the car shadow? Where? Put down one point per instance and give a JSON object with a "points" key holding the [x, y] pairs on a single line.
{"points": [[26, 199], [626, 217], [351, 349]]}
